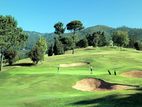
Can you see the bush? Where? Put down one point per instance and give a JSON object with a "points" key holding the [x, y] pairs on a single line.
{"points": [[138, 45], [36, 54], [83, 43], [10, 55]]}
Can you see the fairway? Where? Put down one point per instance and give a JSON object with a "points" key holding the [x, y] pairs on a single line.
{"points": [[43, 85]]}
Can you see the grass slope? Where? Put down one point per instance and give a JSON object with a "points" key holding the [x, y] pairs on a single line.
{"points": [[25, 85]]}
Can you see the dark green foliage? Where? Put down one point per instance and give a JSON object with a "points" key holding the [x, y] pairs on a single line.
{"points": [[50, 50], [11, 37], [59, 28], [42, 44], [10, 34], [102, 40], [10, 56], [120, 38], [38, 51], [96, 39], [67, 43], [58, 47], [36, 54], [83, 43], [134, 34], [75, 26], [138, 45]]}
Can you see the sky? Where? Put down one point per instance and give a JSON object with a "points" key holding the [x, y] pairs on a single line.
{"points": [[41, 15]]}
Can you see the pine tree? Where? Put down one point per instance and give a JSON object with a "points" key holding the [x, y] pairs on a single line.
{"points": [[38, 51], [58, 47], [74, 26], [11, 36]]}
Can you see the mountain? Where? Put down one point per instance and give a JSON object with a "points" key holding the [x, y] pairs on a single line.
{"points": [[133, 33]]}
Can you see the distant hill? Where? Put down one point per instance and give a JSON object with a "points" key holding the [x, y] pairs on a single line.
{"points": [[133, 32]]}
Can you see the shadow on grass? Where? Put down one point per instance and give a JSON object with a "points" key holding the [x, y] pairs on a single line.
{"points": [[128, 100], [24, 64]]}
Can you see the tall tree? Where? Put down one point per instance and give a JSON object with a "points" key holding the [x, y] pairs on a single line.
{"points": [[59, 28], [120, 38], [58, 47], [74, 26], [96, 38], [38, 51], [36, 54], [11, 36], [102, 39], [42, 44], [50, 50]]}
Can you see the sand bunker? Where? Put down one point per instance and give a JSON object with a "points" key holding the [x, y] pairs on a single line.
{"points": [[72, 65], [92, 84], [133, 74]]}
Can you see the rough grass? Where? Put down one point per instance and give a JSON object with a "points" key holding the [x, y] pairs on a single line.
{"points": [[25, 85]]}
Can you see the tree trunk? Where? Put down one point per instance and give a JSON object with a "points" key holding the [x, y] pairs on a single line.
{"points": [[73, 51], [73, 42], [1, 62]]}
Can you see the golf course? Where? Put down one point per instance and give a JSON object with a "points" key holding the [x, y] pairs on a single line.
{"points": [[51, 83]]}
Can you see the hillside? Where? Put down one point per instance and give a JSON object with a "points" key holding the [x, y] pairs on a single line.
{"points": [[135, 33], [25, 85]]}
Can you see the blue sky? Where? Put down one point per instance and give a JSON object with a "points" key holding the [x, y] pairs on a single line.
{"points": [[41, 15]]}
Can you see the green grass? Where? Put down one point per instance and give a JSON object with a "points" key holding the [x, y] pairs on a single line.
{"points": [[43, 86]]}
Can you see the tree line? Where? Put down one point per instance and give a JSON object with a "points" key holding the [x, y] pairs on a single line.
{"points": [[13, 39]]}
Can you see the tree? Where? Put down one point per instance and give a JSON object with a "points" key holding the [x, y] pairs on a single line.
{"points": [[58, 47], [110, 43], [59, 28], [74, 26], [83, 43], [11, 36], [42, 44], [10, 55], [120, 38], [50, 50], [102, 39], [138, 45], [96, 39], [36, 54], [38, 51], [67, 42]]}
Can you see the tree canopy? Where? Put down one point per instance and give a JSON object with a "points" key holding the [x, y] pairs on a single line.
{"points": [[12, 37], [120, 38], [59, 28], [75, 25], [38, 51]]}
